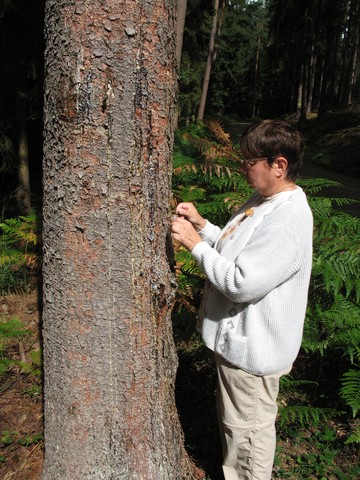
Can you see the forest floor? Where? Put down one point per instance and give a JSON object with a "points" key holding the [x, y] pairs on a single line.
{"points": [[21, 408]]}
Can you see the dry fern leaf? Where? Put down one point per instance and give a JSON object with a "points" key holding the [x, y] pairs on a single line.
{"points": [[218, 131]]}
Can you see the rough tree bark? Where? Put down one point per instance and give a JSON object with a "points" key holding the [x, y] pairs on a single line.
{"points": [[109, 357]]}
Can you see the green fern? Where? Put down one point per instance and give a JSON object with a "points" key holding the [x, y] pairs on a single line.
{"points": [[191, 194], [19, 252], [313, 186], [9, 329], [21, 229], [12, 328], [190, 281], [350, 390], [333, 324], [354, 437], [287, 382], [303, 416], [34, 366]]}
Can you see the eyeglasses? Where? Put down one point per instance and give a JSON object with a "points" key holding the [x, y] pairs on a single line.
{"points": [[250, 162]]}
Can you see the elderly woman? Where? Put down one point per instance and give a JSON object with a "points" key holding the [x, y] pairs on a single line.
{"points": [[252, 313]]}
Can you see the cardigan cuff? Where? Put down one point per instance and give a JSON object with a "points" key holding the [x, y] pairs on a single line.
{"points": [[204, 228]]}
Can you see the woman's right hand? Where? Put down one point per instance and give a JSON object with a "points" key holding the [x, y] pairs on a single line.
{"points": [[188, 211]]}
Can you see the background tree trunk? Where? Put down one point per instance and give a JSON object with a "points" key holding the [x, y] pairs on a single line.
{"points": [[209, 63], [109, 356], [23, 191], [180, 24], [256, 74]]}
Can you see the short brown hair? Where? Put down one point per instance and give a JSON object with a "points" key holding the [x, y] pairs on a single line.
{"points": [[274, 138]]}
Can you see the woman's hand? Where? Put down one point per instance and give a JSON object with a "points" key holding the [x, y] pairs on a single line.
{"points": [[189, 212], [184, 232]]}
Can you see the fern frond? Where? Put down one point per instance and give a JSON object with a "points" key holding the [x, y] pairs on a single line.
{"points": [[9, 257], [287, 382], [314, 185], [189, 278], [214, 169], [321, 207], [187, 263], [216, 152], [339, 270], [217, 129], [350, 390], [343, 202], [303, 416], [19, 252], [354, 437], [337, 251], [21, 229], [337, 225], [190, 194], [12, 328], [18, 260], [221, 148], [335, 325]]}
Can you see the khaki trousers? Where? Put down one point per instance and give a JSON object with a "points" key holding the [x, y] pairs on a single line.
{"points": [[247, 411]]}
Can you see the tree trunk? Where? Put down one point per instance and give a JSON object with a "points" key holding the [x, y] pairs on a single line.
{"points": [[354, 69], [180, 24], [311, 82], [351, 56], [304, 82], [330, 83], [256, 73], [23, 191], [312, 27], [305, 68], [209, 63], [109, 357]]}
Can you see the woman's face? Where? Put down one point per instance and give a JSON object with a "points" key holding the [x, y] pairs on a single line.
{"points": [[260, 175]]}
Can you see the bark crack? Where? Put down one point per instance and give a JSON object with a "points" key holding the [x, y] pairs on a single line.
{"points": [[106, 106]]}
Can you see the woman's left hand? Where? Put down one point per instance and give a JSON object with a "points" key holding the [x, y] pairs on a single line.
{"points": [[183, 231]]}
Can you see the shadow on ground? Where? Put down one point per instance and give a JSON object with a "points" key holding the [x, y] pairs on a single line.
{"points": [[196, 403]]}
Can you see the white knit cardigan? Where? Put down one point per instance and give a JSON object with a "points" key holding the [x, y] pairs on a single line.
{"points": [[255, 297]]}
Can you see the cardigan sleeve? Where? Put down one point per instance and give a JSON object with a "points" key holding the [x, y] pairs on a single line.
{"points": [[209, 233], [269, 259]]}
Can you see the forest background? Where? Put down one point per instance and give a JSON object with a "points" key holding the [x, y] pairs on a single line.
{"points": [[296, 60]]}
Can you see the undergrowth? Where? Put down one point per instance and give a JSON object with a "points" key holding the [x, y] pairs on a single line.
{"points": [[9, 330], [335, 141], [22, 366], [19, 253]]}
